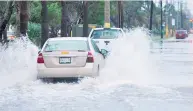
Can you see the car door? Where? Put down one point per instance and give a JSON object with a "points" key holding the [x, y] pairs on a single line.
{"points": [[99, 56]]}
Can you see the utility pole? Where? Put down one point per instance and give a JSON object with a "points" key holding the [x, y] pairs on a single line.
{"points": [[181, 15], [161, 20], [120, 14], [151, 16], [107, 14], [122, 17], [177, 15], [85, 17], [172, 20], [167, 16]]}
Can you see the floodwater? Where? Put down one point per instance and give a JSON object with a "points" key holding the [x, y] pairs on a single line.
{"points": [[136, 77]]}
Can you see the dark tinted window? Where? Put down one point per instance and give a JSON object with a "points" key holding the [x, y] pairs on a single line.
{"points": [[106, 34], [95, 46], [181, 31], [10, 33]]}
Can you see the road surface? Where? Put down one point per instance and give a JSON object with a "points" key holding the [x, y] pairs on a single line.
{"points": [[172, 90]]}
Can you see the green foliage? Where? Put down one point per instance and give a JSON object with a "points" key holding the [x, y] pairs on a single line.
{"points": [[3, 4], [136, 13], [114, 10], [54, 14], [35, 12], [34, 31], [96, 13]]}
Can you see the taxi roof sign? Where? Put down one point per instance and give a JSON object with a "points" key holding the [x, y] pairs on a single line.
{"points": [[107, 25]]}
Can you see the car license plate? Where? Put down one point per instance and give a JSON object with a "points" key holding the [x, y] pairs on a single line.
{"points": [[64, 60]]}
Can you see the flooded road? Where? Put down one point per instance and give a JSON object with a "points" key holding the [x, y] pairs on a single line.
{"points": [[136, 78]]}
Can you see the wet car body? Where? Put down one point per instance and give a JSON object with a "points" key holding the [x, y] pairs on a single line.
{"points": [[69, 57], [181, 34], [104, 37]]}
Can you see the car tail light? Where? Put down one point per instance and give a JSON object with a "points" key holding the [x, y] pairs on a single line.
{"points": [[90, 58], [40, 58]]}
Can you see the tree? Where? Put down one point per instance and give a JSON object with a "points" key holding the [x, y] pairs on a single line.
{"points": [[54, 15], [151, 16], [85, 17], [24, 17], [6, 17], [161, 20], [17, 17], [96, 12], [44, 26], [64, 19], [136, 14]]}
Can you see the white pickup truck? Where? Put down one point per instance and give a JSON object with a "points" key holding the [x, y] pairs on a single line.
{"points": [[104, 36]]}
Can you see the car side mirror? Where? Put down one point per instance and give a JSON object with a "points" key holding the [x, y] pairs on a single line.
{"points": [[104, 52]]}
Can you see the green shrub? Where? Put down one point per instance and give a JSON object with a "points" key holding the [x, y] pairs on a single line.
{"points": [[34, 32]]}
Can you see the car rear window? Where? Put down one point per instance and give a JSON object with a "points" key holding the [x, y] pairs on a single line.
{"points": [[106, 34], [10, 33], [181, 31], [71, 45]]}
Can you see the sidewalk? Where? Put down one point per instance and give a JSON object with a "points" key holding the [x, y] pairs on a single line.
{"points": [[158, 38]]}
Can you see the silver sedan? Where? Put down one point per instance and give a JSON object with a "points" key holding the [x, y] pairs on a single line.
{"points": [[70, 57]]}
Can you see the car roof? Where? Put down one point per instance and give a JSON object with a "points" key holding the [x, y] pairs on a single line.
{"points": [[181, 30], [68, 38]]}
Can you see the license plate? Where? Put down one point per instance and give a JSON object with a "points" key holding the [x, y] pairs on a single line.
{"points": [[64, 60]]}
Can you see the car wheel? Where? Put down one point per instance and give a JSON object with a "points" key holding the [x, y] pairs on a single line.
{"points": [[46, 80]]}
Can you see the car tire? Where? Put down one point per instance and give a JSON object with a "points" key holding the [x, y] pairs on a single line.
{"points": [[46, 80]]}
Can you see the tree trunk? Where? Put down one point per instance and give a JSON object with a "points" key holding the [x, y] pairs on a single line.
{"points": [[6, 19], [44, 26], [151, 16], [53, 32], [24, 17], [85, 17], [5, 35], [17, 6], [161, 20], [122, 15], [64, 20], [69, 30]]}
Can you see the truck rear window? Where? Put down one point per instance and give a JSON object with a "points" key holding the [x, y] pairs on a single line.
{"points": [[106, 34]]}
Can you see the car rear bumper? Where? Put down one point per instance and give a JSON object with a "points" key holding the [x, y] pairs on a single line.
{"points": [[180, 37], [44, 72]]}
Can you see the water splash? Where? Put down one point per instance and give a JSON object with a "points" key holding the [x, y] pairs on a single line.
{"points": [[130, 61], [18, 62]]}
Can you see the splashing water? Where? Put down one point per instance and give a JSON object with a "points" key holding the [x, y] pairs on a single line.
{"points": [[18, 62], [129, 60]]}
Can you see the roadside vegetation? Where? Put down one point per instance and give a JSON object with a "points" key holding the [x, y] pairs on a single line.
{"points": [[32, 16]]}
